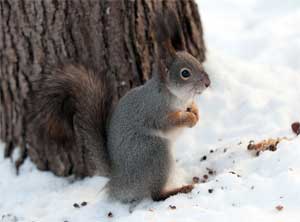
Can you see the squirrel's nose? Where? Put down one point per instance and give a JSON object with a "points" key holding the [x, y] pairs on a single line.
{"points": [[206, 80], [207, 84]]}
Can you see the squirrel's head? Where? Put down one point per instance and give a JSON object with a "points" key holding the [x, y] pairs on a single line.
{"points": [[181, 72]]}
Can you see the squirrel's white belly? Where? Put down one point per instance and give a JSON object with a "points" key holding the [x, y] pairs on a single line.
{"points": [[171, 135]]}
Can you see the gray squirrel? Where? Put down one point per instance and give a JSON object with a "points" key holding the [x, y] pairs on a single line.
{"points": [[72, 105]]}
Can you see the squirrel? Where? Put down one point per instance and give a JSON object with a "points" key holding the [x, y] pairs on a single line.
{"points": [[72, 104]]}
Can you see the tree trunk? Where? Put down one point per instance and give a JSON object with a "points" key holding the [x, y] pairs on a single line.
{"points": [[112, 35]]}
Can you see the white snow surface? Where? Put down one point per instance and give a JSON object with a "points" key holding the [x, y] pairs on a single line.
{"points": [[254, 62]]}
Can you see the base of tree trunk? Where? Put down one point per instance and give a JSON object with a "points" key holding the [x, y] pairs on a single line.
{"points": [[112, 36]]}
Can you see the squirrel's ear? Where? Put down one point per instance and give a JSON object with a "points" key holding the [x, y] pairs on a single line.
{"points": [[168, 35], [168, 32], [174, 31]]}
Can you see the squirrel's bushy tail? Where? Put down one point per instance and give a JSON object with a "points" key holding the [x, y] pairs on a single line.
{"points": [[70, 107]]}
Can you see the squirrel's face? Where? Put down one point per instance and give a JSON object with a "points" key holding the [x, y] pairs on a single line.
{"points": [[186, 76], [182, 73]]}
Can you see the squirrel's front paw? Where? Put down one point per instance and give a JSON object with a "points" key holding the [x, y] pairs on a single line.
{"points": [[186, 188], [186, 118], [194, 109], [190, 119]]}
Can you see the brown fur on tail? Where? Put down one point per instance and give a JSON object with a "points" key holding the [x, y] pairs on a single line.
{"points": [[70, 108]]}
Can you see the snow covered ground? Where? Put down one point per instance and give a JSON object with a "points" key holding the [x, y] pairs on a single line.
{"points": [[254, 63]]}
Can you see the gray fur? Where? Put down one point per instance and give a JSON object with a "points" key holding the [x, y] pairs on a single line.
{"points": [[138, 144]]}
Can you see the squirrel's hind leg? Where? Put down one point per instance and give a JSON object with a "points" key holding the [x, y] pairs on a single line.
{"points": [[142, 173], [133, 204], [168, 193]]}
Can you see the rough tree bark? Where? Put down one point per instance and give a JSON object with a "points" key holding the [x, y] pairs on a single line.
{"points": [[110, 35]]}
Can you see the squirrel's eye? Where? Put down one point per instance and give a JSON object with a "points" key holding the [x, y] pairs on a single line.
{"points": [[185, 73]]}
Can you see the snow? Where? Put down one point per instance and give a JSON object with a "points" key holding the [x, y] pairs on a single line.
{"points": [[253, 61]]}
